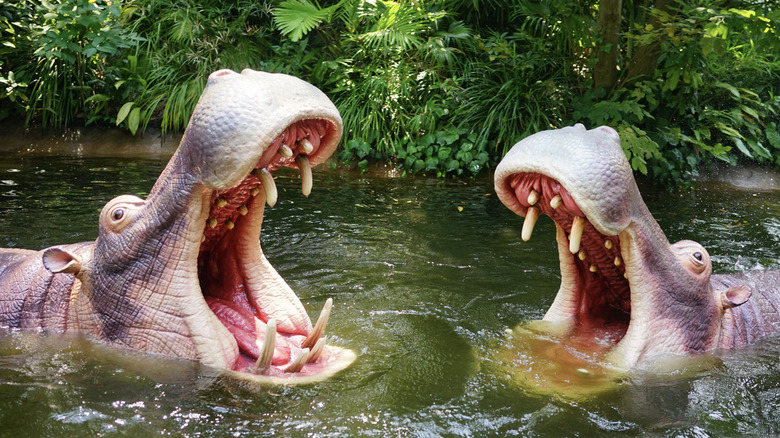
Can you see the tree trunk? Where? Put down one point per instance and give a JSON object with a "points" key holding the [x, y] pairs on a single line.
{"points": [[608, 23], [645, 59]]}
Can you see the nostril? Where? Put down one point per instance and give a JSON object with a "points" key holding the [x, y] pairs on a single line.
{"points": [[223, 72], [220, 74]]}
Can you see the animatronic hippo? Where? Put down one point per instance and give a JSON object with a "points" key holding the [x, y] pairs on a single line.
{"points": [[622, 283], [182, 272]]}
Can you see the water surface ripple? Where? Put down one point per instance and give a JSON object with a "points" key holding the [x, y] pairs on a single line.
{"points": [[426, 274]]}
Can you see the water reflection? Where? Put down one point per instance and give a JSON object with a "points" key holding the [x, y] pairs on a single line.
{"points": [[426, 276]]}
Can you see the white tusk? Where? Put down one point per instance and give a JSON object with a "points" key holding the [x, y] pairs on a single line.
{"points": [[285, 151], [556, 201], [577, 226], [316, 351], [319, 328], [533, 196], [269, 186], [298, 363], [306, 178], [529, 223], [267, 348], [305, 145]]}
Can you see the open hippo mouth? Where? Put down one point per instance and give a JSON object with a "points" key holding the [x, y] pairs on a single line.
{"points": [[273, 334], [595, 291], [612, 297], [244, 316]]}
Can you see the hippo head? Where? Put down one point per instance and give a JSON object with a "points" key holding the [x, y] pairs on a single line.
{"points": [[622, 283], [182, 273]]}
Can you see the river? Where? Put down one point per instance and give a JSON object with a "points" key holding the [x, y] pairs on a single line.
{"points": [[426, 275]]}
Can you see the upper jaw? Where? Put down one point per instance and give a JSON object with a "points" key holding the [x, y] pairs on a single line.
{"points": [[241, 118]]}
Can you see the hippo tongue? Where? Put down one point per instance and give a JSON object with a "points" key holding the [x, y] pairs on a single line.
{"points": [[243, 327]]}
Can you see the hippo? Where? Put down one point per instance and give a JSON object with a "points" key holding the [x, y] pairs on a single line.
{"points": [[624, 287], [181, 273]]}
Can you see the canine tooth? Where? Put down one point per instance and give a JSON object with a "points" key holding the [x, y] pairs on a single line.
{"points": [[285, 151], [593, 268], [618, 261], [267, 347], [577, 226], [212, 222], [255, 191], [298, 363], [242, 210], [529, 223], [533, 196], [221, 202], [271, 193], [230, 224], [316, 351], [306, 178], [582, 255], [319, 328], [608, 244], [556, 201], [305, 146]]}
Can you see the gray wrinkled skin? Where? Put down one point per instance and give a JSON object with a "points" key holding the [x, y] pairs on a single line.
{"points": [[138, 286]]}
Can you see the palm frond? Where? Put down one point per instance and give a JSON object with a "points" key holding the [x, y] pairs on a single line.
{"points": [[295, 18]]}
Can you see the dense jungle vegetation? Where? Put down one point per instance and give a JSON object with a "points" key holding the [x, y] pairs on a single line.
{"points": [[440, 87]]}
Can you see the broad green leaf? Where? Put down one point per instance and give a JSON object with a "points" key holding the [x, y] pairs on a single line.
{"points": [[97, 98], [134, 119], [123, 112]]}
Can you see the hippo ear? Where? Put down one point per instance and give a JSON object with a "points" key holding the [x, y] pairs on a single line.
{"points": [[734, 296], [58, 260]]}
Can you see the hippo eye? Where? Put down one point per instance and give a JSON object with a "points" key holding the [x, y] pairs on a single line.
{"points": [[118, 214], [697, 255]]}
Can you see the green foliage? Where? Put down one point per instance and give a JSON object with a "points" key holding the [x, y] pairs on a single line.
{"points": [[68, 44], [295, 18], [512, 88], [440, 87]]}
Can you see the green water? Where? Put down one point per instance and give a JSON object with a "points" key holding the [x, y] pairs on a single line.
{"points": [[426, 275]]}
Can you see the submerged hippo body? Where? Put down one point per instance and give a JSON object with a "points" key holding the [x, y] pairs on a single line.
{"points": [[621, 279], [182, 272]]}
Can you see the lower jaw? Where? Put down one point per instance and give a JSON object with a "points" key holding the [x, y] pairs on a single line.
{"points": [[332, 360]]}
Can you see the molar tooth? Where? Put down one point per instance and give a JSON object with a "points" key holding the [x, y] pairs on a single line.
{"points": [[202, 238], [267, 348], [306, 178], [255, 191], [269, 186], [212, 222], [618, 261], [316, 351], [533, 196], [577, 226], [221, 202], [529, 223], [230, 224], [593, 268], [242, 210], [285, 151], [305, 145], [582, 255], [298, 363], [556, 201], [319, 328], [608, 244]]}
